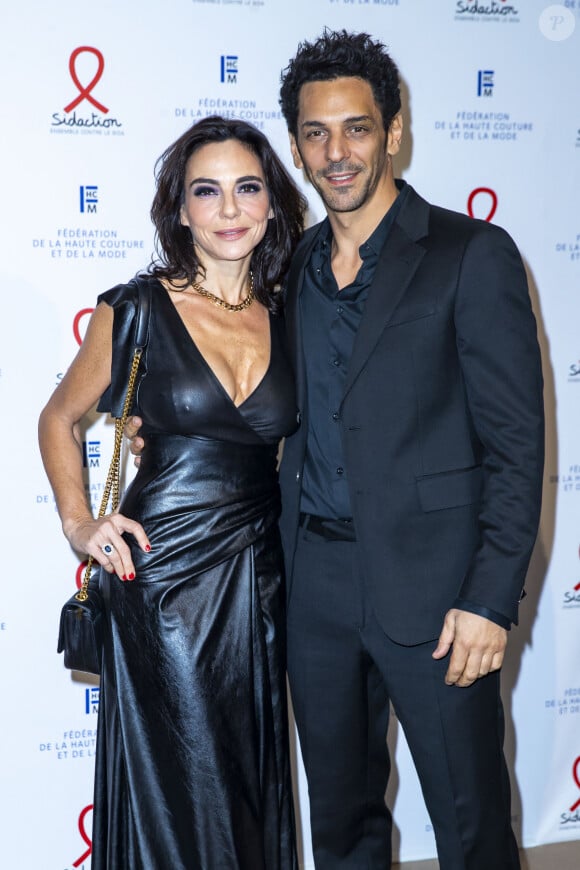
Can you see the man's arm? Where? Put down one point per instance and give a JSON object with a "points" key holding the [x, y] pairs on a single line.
{"points": [[501, 367]]}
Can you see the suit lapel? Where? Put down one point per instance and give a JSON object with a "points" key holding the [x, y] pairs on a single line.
{"points": [[397, 264]]}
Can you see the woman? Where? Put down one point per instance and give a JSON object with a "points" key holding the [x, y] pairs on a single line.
{"points": [[192, 766]]}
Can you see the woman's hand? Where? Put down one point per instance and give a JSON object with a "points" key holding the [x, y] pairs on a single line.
{"points": [[102, 540]]}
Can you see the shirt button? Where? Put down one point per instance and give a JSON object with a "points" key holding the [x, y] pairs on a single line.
{"points": [[340, 470], [340, 309], [335, 416], [336, 362], [298, 417]]}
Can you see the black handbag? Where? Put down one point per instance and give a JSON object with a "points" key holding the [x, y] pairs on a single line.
{"points": [[80, 634]]}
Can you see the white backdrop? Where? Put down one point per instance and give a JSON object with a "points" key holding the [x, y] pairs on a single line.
{"points": [[91, 95]]}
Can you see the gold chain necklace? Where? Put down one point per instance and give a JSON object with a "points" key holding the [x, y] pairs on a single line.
{"points": [[221, 303]]}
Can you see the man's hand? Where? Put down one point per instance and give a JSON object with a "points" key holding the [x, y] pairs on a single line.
{"points": [[136, 444], [478, 647]]}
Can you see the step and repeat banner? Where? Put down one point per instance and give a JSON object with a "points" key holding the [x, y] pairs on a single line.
{"points": [[91, 96]]}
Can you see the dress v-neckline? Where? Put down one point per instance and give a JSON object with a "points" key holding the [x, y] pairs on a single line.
{"points": [[206, 364]]}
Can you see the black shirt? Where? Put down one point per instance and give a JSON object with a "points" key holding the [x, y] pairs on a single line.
{"points": [[330, 319]]}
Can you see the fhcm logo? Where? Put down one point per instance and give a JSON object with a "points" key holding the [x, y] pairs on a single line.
{"points": [[88, 198], [91, 454], [229, 68], [485, 82]]}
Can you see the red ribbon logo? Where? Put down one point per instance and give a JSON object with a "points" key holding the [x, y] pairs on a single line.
{"points": [[475, 193], [76, 323], [84, 835], [85, 92], [576, 775]]}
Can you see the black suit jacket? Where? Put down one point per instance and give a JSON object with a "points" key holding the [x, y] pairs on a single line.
{"points": [[441, 421]]}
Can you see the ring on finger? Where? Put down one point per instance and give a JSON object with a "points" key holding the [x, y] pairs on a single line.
{"points": [[107, 549]]}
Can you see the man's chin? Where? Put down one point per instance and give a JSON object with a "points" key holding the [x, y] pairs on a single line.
{"points": [[342, 204]]}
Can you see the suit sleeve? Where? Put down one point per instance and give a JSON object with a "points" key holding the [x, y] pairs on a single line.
{"points": [[501, 368]]}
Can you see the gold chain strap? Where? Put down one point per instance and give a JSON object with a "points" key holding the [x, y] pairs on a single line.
{"points": [[113, 477]]}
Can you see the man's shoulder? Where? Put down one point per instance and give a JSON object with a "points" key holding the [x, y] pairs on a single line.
{"points": [[447, 223]]}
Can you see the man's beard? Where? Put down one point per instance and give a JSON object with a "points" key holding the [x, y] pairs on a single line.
{"points": [[347, 199]]}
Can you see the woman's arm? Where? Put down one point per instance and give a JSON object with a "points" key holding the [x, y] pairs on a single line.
{"points": [[83, 384]]}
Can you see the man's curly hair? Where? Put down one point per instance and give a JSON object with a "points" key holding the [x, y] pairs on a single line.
{"points": [[336, 54]]}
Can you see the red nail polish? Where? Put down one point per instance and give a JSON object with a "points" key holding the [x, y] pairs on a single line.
{"points": [[131, 576], [148, 548], [123, 577]]}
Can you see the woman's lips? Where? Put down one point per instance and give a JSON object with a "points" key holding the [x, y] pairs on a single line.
{"points": [[233, 234]]}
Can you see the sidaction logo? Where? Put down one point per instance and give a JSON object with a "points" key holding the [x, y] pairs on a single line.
{"points": [[572, 816], [79, 324], [574, 372], [97, 121], [488, 10], [572, 597], [489, 197], [79, 863]]}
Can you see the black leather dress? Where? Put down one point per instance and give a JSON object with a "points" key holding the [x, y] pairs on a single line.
{"points": [[192, 764]]}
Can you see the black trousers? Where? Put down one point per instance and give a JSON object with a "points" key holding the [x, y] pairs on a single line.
{"points": [[344, 671]]}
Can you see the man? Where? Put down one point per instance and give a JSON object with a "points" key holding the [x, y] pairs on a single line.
{"points": [[411, 492]]}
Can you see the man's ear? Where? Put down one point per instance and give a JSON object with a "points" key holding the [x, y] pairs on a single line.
{"points": [[295, 152], [395, 135]]}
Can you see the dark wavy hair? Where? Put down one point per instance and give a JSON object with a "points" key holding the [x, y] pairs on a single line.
{"points": [[176, 258], [337, 54]]}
